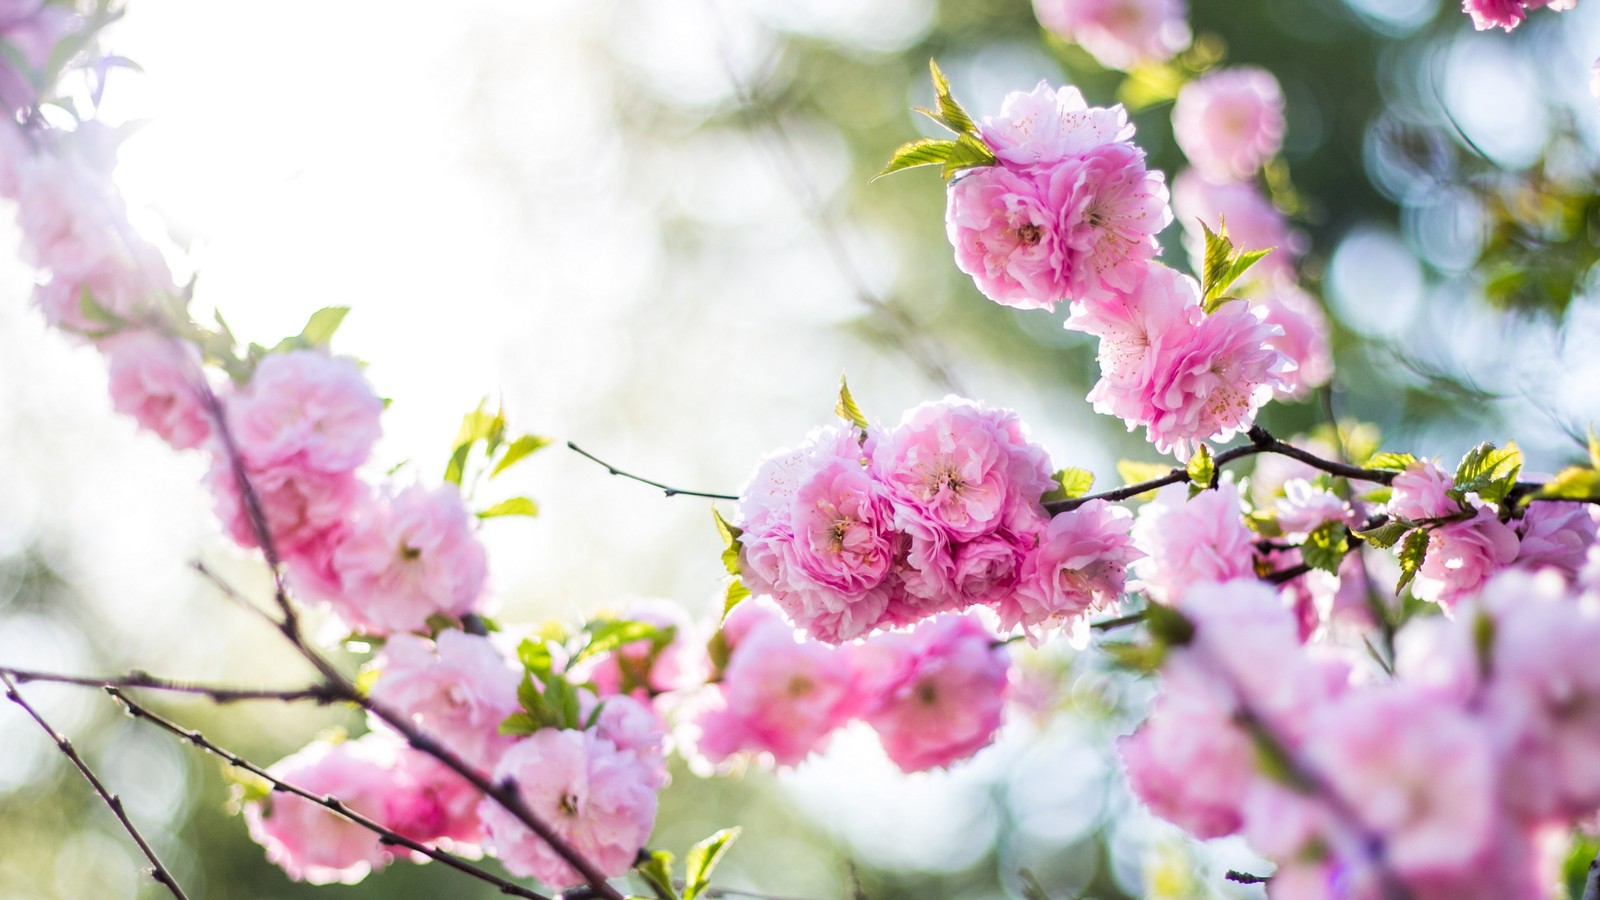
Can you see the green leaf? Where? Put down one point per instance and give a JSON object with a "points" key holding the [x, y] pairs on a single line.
{"points": [[515, 506], [1219, 250], [1264, 523], [950, 114], [534, 654], [921, 152], [476, 426], [656, 870], [718, 651], [1594, 451], [1489, 472], [1387, 534], [1202, 470], [969, 152], [1573, 483], [520, 449], [1325, 547], [847, 409], [1412, 554], [730, 542], [1071, 484], [1575, 866], [1149, 85], [1167, 625], [737, 594], [608, 635], [703, 858], [519, 723], [1390, 462], [1133, 472], [1144, 658], [323, 323]]}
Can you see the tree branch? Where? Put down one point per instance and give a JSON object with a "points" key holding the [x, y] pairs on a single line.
{"points": [[669, 491], [158, 872], [136, 678], [330, 803]]}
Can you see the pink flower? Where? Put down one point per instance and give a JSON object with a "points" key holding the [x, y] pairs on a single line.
{"points": [[308, 408], [1543, 696], [943, 701], [1111, 209], [962, 466], [1189, 762], [778, 696], [1556, 536], [1188, 542], [601, 800], [458, 690], [1121, 34], [1253, 223], [1229, 121], [1138, 331], [988, 570], [1422, 492], [1005, 233], [311, 843], [1081, 563], [31, 29], [433, 804], [1414, 771], [303, 507], [1038, 129], [1304, 340], [817, 536], [156, 380], [1462, 556], [633, 727], [1304, 508], [1212, 386], [1508, 14], [406, 557]]}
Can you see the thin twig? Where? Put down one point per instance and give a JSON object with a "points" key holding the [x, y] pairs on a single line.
{"points": [[1238, 877], [158, 872], [1132, 618], [330, 803], [319, 693], [669, 491], [228, 591]]}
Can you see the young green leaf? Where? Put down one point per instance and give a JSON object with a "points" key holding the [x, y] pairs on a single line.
{"points": [[847, 409], [1071, 483], [950, 114], [1133, 472], [519, 723], [1325, 547], [1149, 85], [1594, 451], [1572, 483], [515, 506], [608, 635], [737, 593], [321, 326], [1202, 470], [921, 152], [1412, 554], [1390, 462], [518, 450], [1218, 252], [1385, 535], [656, 870], [730, 542], [703, 859], [1489, 472], [969, 152]]}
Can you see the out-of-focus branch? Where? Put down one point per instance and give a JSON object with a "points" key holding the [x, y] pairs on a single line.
{"points": [[136, 678], [330, 803], [669, 491], [158, 872]]}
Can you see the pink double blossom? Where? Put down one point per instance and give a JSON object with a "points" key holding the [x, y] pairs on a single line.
{"points": [[601, 800], [1191, 541], [306, 408], [1229, 121], [1508, 14], [1422, 492], [1463, 556], [1555, 536], [157, 380], [1304, 340], [459, 689], [433, 804], [1006, 234], [1081, 563], [937, 693], [1121, 34]]}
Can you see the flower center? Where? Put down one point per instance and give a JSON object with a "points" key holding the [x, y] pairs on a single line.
{"points": [[1030, 234]]}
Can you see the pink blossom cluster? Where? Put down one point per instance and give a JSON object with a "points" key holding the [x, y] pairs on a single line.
{"points": [[1440, 783], [1187, 376], [1475, 541], [1068, 211], [1508, 14], [1121, 34], [933, 695], [856, 531], [31, 30], [596, 786], [1229, 122]]}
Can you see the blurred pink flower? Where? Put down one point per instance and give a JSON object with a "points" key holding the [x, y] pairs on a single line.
{"points": [[1121, 34], [154, 379], [1189, 542], [459, 689], [1304, 340], [1229, 121], [306, 408]]}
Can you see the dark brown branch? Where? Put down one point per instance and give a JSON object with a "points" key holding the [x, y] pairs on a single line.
{"points": [[330, 803], [158, 872], [1260, 442], [1238, 877], [669, 491], [1132, 618], [136, 678]]}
